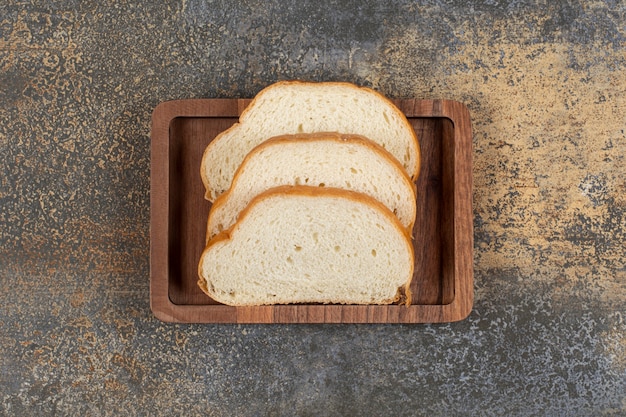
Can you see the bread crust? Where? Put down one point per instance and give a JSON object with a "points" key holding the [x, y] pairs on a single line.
{"points": [[404, 292], [207, 181], [319, 137]]}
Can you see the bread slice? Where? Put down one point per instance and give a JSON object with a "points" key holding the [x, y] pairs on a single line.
{"points": [[291, 107], [351, 162], [309, 245]]}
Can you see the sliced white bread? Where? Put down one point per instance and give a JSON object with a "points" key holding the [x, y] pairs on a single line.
{"points": [[351, 162], [291, 107], [309, 245]]}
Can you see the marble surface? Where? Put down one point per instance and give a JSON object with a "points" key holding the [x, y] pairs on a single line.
{"points": [[545, 84]]}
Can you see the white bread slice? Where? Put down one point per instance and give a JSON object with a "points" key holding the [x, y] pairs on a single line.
{"points": [[351, 162], [309, 245], [290, 107]]}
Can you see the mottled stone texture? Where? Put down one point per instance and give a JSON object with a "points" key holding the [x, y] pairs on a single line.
{"points": [[545, 84]]}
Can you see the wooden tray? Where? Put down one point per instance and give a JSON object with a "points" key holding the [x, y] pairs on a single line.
{"points": [[443, 283]]}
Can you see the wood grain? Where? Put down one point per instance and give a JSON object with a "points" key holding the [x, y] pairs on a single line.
{"points": [[443, 281]]}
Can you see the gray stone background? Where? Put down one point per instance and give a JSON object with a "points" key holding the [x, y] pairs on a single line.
{"points": [[546, 87]]}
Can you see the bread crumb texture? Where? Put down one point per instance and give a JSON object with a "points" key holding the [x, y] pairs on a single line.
{"points": [[303, 244]]}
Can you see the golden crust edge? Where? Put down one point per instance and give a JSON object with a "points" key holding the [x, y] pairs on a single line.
{"points": [[304, 190], [318, 136], [413, 176]]}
